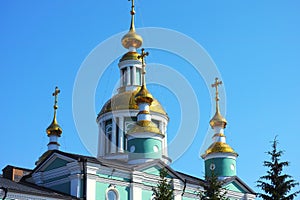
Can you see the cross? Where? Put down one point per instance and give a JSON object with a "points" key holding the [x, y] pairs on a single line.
{"points": [[142, 56], [132, 12], [55, 94], [216, 85]]}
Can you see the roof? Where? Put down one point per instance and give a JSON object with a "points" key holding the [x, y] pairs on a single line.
{"points": [[27, 188], [126, 100]]}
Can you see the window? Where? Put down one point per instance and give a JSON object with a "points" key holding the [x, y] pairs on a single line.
{"points": [[112, 194]]}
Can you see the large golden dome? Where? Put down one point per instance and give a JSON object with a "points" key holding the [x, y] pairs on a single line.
{"points": [[126, 100]]}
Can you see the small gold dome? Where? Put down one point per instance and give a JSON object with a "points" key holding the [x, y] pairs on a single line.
{"points": [[131, 39], [143, 96], [219, 147], [54, 128], [144, 126], [131, 55], [218, 120], [126, 100]]}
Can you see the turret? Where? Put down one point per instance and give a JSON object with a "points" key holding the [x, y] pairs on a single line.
{"points": [[54, 130], [219, 158], [145, 140]]}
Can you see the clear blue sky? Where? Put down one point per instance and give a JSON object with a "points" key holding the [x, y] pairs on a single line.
{"points": [[255, 45]]}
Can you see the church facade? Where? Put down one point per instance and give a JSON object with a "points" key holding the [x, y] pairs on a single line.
{"points": [[132, 148]]}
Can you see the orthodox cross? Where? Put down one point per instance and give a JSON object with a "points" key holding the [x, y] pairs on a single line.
{"points": [[216, 85], [55, 94], [142, 56]]}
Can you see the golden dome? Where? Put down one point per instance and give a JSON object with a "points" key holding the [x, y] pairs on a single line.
{"points": [[54, 128], [126, 100], [144, 126], [131, 39], [131, 55], [218, 120], [219, 147], [144, 95]]}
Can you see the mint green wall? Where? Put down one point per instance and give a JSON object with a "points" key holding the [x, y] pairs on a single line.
{"points": [[146, 195], [144, 148], [234, 187], [124, 192], [222, 167]]}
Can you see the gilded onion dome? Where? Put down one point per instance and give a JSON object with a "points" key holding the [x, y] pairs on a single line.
{"points": [[126, 101], [54, 128], [218, 120], [131, 55], [143, 96], [132, 39]]}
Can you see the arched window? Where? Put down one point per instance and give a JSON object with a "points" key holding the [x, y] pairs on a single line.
{"points": [[112, 194]]}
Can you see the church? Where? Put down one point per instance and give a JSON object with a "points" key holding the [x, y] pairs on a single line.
{"points": [[132, 148]]}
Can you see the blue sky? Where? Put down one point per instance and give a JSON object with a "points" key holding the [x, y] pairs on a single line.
{"points": [[254, 44]]}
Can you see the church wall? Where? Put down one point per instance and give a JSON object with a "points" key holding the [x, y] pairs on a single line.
{"points": [[103, 188], [220, 166]]}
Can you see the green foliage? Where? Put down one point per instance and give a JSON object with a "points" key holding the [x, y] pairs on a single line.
{"points": [[276, 186], [213, 189], [164, 190]]}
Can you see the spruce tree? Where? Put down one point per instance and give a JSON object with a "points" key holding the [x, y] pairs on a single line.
{"points": [[164, 190], [213, 189], [275, 184]]}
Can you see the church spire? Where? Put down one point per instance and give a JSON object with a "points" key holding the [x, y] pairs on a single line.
{"points": [[132, 40], [218, 119], [54, 130], [220, 158]]}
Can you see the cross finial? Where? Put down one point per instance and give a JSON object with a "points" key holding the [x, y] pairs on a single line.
{"points": [[142, 56], [216, 85], [55, 94], [132, 12]]}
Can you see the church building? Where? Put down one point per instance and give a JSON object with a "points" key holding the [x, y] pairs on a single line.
{"points": [[132, 148]]}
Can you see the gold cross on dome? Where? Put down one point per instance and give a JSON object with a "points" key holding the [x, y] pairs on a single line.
{"points": [[55, 94], [143, 55], [216, 85]]}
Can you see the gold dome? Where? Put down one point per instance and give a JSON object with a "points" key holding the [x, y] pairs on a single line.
{"points": [[218, 120], [54, 128], [131, 55], [143, 95], [126, 100], [131, 39], [144, 126], [219, 147]]}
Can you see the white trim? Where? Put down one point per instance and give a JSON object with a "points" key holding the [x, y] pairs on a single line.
{"points": [[112, 188]]}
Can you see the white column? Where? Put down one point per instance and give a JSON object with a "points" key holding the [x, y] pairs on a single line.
{"points": [[113, 137], [75, 184], [91, 189], [134, 75], [101, 143], [121, 78], [128, 75], [121, 135]]}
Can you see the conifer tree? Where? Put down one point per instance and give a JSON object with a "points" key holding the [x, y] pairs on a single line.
{"points": [[213, 189], [164, 190], [275, 184]]}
